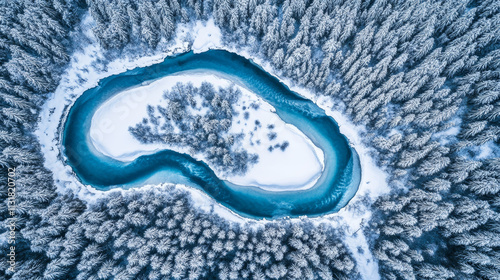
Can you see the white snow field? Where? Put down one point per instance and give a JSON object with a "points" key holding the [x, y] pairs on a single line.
{"points": [[297, 167]]}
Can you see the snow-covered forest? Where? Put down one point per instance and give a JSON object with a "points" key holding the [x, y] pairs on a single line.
{"points": [[421, 76], [204, 132]]}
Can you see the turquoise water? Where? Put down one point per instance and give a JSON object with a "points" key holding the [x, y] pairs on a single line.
{"points": [[336, 186]]}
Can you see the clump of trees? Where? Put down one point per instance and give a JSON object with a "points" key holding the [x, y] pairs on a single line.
{"points": [[146, 235], [204, 128]]}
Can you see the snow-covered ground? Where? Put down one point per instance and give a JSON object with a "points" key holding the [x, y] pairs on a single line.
{"points": [[297, 167], [87, 68]]}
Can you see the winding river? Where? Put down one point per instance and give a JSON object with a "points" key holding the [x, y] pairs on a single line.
{"points": [[336, 186]]}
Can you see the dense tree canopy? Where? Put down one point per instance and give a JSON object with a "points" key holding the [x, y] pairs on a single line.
{"points": [[203, 128]]}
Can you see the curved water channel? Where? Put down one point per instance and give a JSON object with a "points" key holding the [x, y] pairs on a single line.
{"points": [[336, 186]]}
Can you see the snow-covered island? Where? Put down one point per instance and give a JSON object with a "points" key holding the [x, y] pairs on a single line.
{"points": [[287, 159]]}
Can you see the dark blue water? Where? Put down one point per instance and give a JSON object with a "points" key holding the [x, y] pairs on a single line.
{"points": [[333, 190]]}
